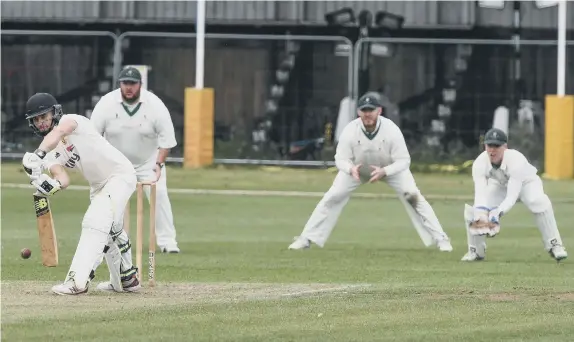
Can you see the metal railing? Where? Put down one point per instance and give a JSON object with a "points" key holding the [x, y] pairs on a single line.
{"points": [[254, 124], [68, 64], [414, 77], [445, 91]]}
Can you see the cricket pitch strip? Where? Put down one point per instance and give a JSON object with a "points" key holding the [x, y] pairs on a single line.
{"points": [[23, 300]]}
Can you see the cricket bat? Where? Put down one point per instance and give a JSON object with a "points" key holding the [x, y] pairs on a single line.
{"points": [[46, 231]]}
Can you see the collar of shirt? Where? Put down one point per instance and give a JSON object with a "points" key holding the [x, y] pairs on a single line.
{"points": [[502, 167], [379, 121]]}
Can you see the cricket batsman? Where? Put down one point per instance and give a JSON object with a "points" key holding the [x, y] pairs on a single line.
{"points": [[372, 148], [71, 142], [501, 177], [137, 123]]}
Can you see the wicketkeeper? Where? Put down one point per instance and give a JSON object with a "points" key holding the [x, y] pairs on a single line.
{"points": [[501, 177]]}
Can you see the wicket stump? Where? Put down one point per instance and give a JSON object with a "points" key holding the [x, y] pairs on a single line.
{"points": [[139, 228]]}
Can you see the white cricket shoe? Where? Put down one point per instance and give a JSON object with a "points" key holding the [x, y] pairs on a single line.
{"points": [[300, 242], [472, 256], [444, 246], [108, 287], [130, 285], [558, 252], [169, 249], [68, 288]]}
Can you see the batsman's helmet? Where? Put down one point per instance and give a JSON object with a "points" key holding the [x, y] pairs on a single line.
{"points": [[39, 104]]}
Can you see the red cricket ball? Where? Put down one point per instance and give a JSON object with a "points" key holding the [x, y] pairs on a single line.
{"points": [[25, 253]]}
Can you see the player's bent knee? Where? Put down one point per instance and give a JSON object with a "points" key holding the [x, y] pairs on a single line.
{"points": [[100, 215], [537, 204]]}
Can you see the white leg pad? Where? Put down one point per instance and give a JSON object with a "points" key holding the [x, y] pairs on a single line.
{"points": [[476, 243], [118, 250], [548, 228], [124, 245], [96, 227], [88, 255], [114, 260]]}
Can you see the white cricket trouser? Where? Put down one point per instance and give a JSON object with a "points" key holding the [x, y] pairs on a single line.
{"points": [[99, 229], [533, 196], [323, 219], [164, 225]]}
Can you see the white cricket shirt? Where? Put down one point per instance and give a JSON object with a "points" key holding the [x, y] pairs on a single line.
{"points": [[512, 173], [385, 147], [86, 151], [136, 130]]}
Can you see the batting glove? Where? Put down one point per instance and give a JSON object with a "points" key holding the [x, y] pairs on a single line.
{"points": [[46, 186], [32, 164]]}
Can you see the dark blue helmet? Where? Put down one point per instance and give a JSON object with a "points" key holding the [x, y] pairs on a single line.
{"points": [[39, 104]]}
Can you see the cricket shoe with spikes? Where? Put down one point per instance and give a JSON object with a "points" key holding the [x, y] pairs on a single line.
{"points": [[68, 288], [472, 255], [300, 242], [558, 252], [129, 285]]}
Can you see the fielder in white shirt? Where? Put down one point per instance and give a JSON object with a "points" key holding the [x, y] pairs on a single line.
{"points": [[501, 177], [372, 148], [137, 122], [71, 142]]}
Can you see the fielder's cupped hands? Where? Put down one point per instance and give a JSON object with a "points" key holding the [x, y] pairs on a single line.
{"points": [[486, 222], [377, 174], [355, 172]]}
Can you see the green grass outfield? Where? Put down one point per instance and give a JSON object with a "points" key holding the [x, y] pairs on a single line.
{"points": [[235, 280]]}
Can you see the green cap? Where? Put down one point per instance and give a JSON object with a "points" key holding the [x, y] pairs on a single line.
{"points": [[368, 102], [495, 136], [130, 74]]}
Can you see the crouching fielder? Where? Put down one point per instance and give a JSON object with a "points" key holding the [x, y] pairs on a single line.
{"points": [[501, 177], [372, 148], [71, 142]]}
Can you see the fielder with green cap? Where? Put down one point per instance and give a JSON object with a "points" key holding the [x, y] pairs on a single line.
{"points": [[501, 177], [137, 122], [371, 149]]}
